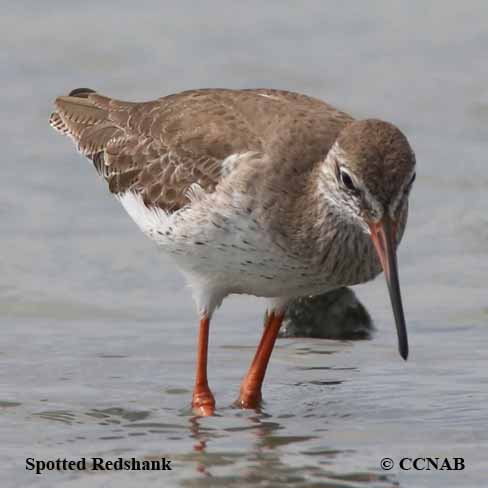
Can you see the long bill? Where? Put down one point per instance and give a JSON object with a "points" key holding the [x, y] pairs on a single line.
{"points": [[383, 237]]}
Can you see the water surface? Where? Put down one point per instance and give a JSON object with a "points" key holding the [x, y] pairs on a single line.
{"points": [[98, 329]]}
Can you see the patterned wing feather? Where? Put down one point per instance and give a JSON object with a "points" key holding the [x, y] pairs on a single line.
{"points": [[161, 148], [136, 148]]}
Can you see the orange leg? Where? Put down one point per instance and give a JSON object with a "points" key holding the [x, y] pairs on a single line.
{"points": [[203, 401], [250, 396]]}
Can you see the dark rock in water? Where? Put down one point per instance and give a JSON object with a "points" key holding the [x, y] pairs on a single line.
{"points": [[334, 315]]}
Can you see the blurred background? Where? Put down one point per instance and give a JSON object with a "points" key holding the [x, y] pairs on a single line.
{"points": [[98, 329]]}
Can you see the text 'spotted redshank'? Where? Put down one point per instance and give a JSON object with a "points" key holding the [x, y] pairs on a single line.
{"points": [[262, 192]]}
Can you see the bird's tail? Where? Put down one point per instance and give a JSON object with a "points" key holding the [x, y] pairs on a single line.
{"points": [[83, 115]]}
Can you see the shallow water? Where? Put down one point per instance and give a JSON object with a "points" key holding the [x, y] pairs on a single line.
{"points": [[98, 330]]}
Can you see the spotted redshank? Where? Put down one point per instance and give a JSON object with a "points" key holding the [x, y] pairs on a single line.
{"points": [[260, 192]]}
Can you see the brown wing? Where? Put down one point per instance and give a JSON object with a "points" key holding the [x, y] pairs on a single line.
{"points": [[133, 147], [160, 148]]}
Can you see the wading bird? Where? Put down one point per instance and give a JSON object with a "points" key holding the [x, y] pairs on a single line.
{"points": [[262, 192]]}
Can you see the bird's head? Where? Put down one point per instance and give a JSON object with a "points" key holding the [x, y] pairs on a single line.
{"points": [[370, 170]]}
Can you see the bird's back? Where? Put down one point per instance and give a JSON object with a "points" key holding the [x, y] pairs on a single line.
{"points": [[159, 149]]}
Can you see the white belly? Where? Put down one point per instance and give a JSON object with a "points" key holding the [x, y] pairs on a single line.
{"points": [[225, 248]]}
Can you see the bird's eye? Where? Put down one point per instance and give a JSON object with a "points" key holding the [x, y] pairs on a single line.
{"points": [[347, 180], [412, 179]]}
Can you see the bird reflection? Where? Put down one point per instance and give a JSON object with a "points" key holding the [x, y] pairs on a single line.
{"points": [[262, 461], [262, 457], [201, 437]]}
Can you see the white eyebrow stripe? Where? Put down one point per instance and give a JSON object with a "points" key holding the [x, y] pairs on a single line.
{"points": [[396, 202], [337, 152], [340, 155]]}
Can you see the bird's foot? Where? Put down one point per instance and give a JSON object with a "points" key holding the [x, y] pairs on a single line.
{"points": [[203, 402], [249, 398]]}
